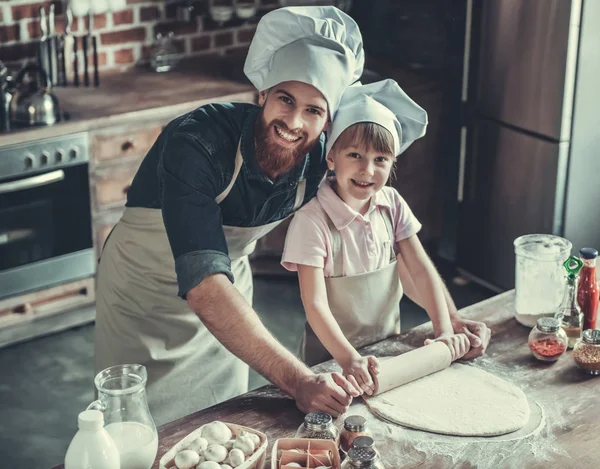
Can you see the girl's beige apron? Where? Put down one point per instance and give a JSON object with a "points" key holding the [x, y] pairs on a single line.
{"points": [[140, 318], [366, 306]]}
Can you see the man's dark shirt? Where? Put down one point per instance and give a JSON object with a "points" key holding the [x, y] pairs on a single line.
{"points": [[191, 163]]}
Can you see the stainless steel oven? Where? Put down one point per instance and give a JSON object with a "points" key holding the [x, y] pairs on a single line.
{"points": [[45, 221]]}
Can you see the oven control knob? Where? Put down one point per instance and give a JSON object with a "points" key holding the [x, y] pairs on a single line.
{"points": [[73, 153], [29, 161], [59, 155], [44, 157]]}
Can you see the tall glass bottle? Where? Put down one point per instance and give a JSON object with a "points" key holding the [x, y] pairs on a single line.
{"points": [[587, 292], [569, 312]]}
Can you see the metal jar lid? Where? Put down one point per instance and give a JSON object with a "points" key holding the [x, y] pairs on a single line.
{"points": [[548, 324], [591, 336], [361, 457], [363, 442], [317, 421], [355, 423]]}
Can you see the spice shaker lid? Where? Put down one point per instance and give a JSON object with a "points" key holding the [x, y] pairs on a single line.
{"points": [[317, 420], [361, 457], [363, 442], [591, 336], [588, 253], [548, 324], [355, 423]]}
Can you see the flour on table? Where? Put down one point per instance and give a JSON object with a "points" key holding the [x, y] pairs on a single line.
{"points": [[460, 400]]}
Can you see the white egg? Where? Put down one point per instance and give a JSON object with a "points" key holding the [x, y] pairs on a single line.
{"points": [[246, 444], [216, 433], [253, 436], [209, 465], [293, 464], [216, 453], [198, 444], [236, 457], [186, 459], [226, 466]]}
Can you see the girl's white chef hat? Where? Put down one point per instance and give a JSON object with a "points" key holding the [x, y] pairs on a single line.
{"points": [[320, 46], [383, 103]]}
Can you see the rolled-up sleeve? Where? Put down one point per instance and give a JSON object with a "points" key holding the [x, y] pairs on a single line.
{"points": [[190, 182]]}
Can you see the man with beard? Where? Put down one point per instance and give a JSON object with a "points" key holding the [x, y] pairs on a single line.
{"points": [[174, 286]]}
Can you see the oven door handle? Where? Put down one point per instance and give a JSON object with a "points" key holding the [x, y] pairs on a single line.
{"points": [[35, 181]]}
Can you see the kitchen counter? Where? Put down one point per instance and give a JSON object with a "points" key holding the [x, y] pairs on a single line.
{"points": [[141, 94], [568, 436]]}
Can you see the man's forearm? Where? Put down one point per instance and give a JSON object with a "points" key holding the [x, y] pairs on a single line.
{"points": [[229, 317]]}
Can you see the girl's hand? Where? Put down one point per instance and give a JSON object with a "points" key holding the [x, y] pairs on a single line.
{"points": [[458, 344], [360, 371]]}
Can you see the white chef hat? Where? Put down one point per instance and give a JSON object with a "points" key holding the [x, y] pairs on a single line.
{"points": [[320, 46], [383, 103]]}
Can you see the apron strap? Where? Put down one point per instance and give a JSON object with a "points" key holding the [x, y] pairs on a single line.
{"points": [[300, 191], [238, 165], [387, 218]]}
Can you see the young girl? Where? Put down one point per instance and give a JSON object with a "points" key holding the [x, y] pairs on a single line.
{"points": [[354, 240]]}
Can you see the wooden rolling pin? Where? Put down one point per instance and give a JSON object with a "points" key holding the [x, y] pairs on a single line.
{"points": [[412, 365]]}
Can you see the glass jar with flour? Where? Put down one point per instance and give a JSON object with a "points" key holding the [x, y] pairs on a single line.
{"points": [[539, 276], [122, 400]]}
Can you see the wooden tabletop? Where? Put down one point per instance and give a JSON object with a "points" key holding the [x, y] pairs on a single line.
{"points": [[567, 438]]}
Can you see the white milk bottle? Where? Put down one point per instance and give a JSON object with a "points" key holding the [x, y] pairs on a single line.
{"points": [[92, 447]]}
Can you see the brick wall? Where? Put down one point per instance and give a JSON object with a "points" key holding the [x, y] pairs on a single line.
{"points": [[127, 36]]}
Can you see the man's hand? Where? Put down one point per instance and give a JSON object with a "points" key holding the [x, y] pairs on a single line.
{"points": [[457, 343], [327, 392], [361, 372], [477, 333]]}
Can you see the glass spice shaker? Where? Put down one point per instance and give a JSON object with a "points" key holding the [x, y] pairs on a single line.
{"points": [[354, 426], [587, 352], [362, 458], [547, 340], [319, 425]]}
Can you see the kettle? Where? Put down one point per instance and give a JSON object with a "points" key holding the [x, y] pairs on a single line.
{"points": [[32, 102]]}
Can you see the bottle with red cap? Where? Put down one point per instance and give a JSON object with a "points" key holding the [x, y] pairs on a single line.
{"points": [[587, 292]]}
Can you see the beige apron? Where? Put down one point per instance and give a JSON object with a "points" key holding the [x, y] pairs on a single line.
{"points": [[140, 318], [366, 306]]}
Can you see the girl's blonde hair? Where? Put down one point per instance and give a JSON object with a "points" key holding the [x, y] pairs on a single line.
{"points": [[367, 135]]}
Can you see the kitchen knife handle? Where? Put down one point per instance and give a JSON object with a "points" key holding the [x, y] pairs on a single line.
{"points": [[86, 75], [95, 50], [62, 68], [75, 62]]}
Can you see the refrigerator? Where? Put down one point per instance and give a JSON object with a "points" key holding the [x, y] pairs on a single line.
{"points": [[530, 143]]}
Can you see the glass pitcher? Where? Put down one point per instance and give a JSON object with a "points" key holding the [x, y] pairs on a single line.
{"points": [[539, 276], [122, 399]]}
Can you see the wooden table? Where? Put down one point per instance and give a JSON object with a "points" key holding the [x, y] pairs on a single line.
{"points": [[568, 397]]}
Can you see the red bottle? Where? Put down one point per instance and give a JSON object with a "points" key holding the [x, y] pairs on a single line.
{"points": [[587, 293]]}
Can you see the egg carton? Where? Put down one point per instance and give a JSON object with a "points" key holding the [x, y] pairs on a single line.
{"points": [[307, 452], [255, 461]]}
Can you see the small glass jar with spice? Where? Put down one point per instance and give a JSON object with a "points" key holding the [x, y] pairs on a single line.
{"points": [[547, 341], [587, 352], [363, 458], [319, 425], [354, 426]]}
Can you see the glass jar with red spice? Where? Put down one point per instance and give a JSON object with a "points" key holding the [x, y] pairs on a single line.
{"points": [[547, 341], [587, 291]]}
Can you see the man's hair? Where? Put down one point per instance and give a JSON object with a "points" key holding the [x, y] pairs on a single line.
{"points": [[367, 135]]}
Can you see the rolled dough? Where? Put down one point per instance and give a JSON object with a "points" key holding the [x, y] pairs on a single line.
{"points": [[460, 400]]}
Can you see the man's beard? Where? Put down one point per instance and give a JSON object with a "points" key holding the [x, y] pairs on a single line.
{"points": [[272, 158]]}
